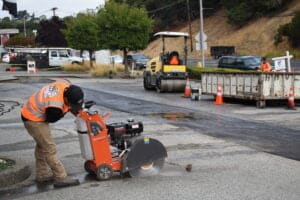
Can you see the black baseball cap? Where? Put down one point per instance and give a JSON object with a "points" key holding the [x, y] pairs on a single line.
{"points": [[74, 95]]}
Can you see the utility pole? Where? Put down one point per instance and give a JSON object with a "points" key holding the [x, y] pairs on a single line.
{"points": [[53, 9], [201, 33], [190, 26], [25, 26]]}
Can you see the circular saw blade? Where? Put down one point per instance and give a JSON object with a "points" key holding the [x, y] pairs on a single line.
{"points": [[148, 169]]}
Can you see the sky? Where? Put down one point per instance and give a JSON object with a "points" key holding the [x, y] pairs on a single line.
{"points": [[43, 7]]}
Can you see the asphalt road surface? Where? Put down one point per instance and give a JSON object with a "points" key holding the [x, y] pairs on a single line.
{"points": [[237, 151]]}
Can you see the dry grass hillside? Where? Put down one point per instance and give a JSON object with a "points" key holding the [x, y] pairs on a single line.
{"points": [[255, 38]]}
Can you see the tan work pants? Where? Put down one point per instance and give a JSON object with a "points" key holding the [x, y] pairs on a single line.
{"points": [[45, 150]]}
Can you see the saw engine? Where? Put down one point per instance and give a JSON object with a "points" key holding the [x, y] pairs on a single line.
{"points": [[117, 147], [122, 134]]}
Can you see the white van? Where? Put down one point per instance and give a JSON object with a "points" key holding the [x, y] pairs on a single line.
{"points": [[47, 57], [58, 57]]}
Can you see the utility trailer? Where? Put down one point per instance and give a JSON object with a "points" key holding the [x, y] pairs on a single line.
{"points": [[256, 86]]}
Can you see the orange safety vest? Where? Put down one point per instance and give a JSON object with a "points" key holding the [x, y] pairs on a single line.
{"points": [[265, 67], [174, 60], [51, 95]]}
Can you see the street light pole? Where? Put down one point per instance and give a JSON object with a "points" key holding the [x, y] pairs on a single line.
{"points": [[53, 9], [190, 26], [201, 33]]}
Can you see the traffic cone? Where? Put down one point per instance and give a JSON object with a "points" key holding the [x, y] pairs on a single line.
{"points": [[291, 100], [187, 90], [11, 69], [219, 97]]}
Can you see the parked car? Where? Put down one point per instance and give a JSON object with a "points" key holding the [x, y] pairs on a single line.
{"points": [[117, 59], [44, 57], [140, 60], [240, 62]]}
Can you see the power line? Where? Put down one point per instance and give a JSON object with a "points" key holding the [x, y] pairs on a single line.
{"points": [[168, 6]]}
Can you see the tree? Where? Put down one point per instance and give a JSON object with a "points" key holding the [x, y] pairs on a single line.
{"points": [[291, 30], [238, 15], [242, 11], [168, 13], [82, 33], [49, 33], [123, 27], [23, 14]]}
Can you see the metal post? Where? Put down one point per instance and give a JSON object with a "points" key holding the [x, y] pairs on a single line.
{"points": [[201, 33], [24, 26], [190, 26], [288, 61]]}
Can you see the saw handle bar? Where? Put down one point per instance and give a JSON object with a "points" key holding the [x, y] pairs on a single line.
{"points": [[88, 104]]}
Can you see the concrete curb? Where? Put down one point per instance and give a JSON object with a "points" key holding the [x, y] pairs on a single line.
{"points": [[15, 175], [7, 78]]}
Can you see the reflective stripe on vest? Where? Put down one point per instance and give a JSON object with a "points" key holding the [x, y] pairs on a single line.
{"points": [[36, 106]]}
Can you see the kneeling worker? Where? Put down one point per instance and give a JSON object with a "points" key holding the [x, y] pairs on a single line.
{"points": [[265, 65], [48, 105]]}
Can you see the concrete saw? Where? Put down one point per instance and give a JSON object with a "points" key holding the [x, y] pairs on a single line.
{"points": [[117, 147]]}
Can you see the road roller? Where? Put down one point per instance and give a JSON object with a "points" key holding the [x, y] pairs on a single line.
{"points": [[117, 148], [163, 73]]}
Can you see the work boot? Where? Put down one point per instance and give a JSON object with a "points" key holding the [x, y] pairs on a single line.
{"points": [[65, 182], [43, 179]]}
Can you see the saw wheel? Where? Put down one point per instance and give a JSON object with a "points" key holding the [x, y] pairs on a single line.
{"points": [[88, 166], [104, 172]]}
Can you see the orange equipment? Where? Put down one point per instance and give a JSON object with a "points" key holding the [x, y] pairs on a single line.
{"points": [[11, 69], [117, 147], [187, 90], [291, 99], [219, 97], [174, 60]]}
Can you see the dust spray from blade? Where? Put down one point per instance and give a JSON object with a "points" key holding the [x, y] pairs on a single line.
{"points": [[150, 169]]}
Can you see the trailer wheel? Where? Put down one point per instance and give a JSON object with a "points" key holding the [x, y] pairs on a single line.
{"points": [[104, 172], [261, 104], [88, 166]]}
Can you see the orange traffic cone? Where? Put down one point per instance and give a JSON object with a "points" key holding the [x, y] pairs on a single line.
{"points": [[291, 100], [219, 97], [11, 69], [187, 90]]}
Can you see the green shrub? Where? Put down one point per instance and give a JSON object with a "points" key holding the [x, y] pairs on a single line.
{"points": [[272, 54], [6, 163]]}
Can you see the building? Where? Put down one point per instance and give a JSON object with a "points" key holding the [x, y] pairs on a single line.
{"points": [[5, 34]]}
